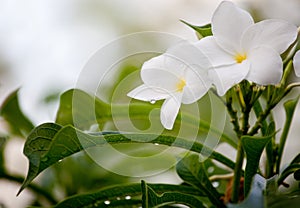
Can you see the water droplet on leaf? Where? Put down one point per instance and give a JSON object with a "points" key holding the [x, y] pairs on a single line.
{"points": [[118, 198], [210, 169], [156, 144], [60, 160], [215, 184], [127, 197], [107, 202], [152, 101]]}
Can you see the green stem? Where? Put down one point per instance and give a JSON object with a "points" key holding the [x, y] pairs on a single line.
{"points": [[237, 173], [36, 189], [232, 113], [286, 128]]}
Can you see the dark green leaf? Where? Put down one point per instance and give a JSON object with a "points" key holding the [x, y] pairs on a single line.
{"points": [[253, 147], [49, 143], [297, 175], [292, 168], [192, 171], [118, 196], [296, 159], [11, 112], [151, 198], [202, 31]]}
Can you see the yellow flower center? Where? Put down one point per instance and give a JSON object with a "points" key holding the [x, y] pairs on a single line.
{"points": [[240, 57], [180, 85]]}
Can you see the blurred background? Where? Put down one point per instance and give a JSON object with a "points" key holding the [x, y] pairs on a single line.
{"points": [[44, 45]]}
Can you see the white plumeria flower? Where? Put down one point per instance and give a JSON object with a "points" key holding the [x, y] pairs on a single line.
{"points": [[241, 49], [296, 62], [178, 76]]}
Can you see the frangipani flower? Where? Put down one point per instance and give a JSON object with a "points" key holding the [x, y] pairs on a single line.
{"points": [[296, 62], [178, 76], [241, 49]]}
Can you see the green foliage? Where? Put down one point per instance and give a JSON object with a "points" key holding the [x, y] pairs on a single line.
{"points": [[11, 112], [123, 195], [193, 172], [202, 31], [85, 110], [253, 147], [151, 198], [49, 143], [289, 107]]}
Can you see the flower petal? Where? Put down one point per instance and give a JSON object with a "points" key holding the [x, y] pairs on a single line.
{"points": [[215, 54], [146, 93], [276, 34], [156, 73], [228, 24], [296, 62], [197, 85], [169, 110], [265, 66], [227, 76]]}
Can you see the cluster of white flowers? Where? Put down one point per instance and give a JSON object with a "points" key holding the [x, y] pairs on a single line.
{"points": [[239, 49]]}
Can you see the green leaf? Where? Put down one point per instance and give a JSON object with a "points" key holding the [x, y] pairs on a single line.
{"points": [[202, 31], [289, 107], [78, 106], [11, 112], [192, 171], [253, 147], [49, 143], [118, 196], [85, 110], [292, 168], [296, 159], [153, 199]]}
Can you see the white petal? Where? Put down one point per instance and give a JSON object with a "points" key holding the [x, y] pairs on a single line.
{"points": [[228, 24], [197, 85], [146, 93], [226, 77], [216, 55], [188, 54], [265, 66], [156, 73], [296, 62], [169, 110], [276, 34]]}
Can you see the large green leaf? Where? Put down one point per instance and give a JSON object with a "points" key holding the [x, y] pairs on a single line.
{"points": [[192, 171], [253, 147], [11, 112], [83, 109], [202, 31], [49, 143], [153, 199]]}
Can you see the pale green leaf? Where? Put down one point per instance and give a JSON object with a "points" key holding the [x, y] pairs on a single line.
{"points": [[12, 113]]}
